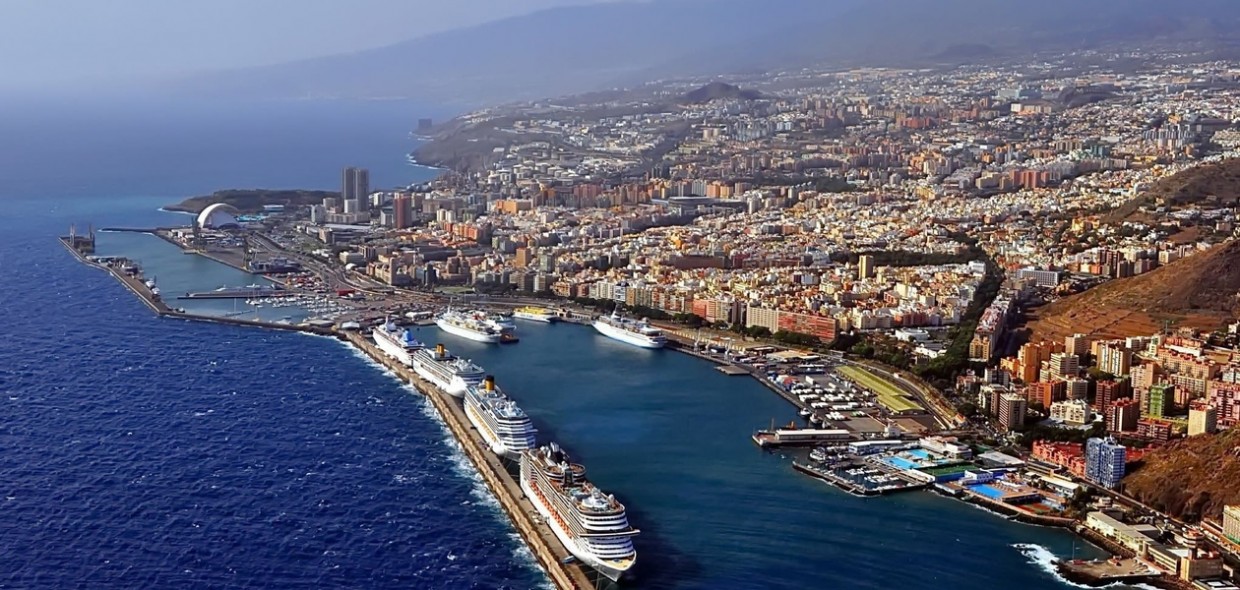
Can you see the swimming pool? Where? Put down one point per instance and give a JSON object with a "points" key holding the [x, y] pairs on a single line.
{"points": [[989, 491], [900, 463]]}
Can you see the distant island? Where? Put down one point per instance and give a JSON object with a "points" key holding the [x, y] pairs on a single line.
{"points": [[253, 200]]}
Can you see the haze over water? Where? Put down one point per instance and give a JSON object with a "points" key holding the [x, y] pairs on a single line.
{"points": [[141, 452]]}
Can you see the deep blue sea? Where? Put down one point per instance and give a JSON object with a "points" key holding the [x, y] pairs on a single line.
{"points": [[137, 452]]}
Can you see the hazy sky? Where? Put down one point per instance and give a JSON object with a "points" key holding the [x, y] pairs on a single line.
{"points": [[59, 42]]}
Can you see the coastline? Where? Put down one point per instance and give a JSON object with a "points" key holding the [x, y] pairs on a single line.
{"points": [[545, 548], [538, 538]]}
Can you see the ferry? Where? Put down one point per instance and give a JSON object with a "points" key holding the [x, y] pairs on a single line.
{"points": [[247, 292], [472, 326], [805, 437], [590, 523], [505, 427], [535, 314], [635, 332], [449, 373], [396, 343]]}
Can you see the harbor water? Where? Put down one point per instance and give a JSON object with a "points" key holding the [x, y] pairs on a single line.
{"points": [[146, 452]]}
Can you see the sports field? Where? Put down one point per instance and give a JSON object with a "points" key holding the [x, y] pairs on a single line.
{"points": [[890, 396]]}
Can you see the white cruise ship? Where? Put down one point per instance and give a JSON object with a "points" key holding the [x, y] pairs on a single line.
{"points": [[505, 427], [396, 343], [506, 326], [590, 523], [469, 325], [449, 373], [635, 332], [535, 314]]}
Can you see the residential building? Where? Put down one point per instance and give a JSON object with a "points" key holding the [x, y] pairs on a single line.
{"points": [[1104, 462], [1109, 392], [1225, 399], [402, 211], [1159, 400], [1114, 358], [1123, 416], [355, 187], [1012, 408], [1231, 523], [1072, 412], [1202, 419], [865, 266], [1076, 344]]}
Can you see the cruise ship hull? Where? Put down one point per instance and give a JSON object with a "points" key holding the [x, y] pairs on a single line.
{"points": [[455, 387], [466, 333], [609, 569], [392, 349], [493, 442], [625, 336]]}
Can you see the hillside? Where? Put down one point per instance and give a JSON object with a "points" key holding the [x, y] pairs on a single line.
{"points": [[1198, 291], [1190, 478], [608, 44], [719, 90], [1216, 183], [252, 200]]}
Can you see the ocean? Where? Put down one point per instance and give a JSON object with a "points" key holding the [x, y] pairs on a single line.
{"points": [[142, 452]]}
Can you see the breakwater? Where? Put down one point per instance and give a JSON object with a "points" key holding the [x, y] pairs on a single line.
{"points": [[135, 285], [542, 543]]}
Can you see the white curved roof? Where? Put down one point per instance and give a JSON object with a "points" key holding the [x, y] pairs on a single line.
{"points": [[217, 215]]}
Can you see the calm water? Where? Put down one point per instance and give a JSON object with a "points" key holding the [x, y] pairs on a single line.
{"points": [[139, 452]]}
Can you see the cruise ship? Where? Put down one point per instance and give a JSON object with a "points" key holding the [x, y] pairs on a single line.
{"points": [[635, 332], [507, 328], [591, 524], [535, 314], [469, 325], [449, 373], [396, 343], [504, 426]]}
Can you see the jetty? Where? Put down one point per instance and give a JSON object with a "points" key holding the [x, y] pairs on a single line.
{"points": [[550, 553], [564, 572]]}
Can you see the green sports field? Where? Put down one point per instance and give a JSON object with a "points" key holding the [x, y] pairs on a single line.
{"points": [[890, 396]]}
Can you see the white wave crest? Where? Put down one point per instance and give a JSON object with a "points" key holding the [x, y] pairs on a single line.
{"points": [[1045, 560], [461, 464]]}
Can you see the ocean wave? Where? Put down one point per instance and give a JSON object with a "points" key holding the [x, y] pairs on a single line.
{"points": [[1045, 560], [461, 464]]}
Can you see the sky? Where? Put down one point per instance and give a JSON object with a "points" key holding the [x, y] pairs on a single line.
{"points": [[64, 43]]}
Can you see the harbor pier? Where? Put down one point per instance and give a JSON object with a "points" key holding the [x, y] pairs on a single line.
{"points": [[550, 553], [554, 558]]}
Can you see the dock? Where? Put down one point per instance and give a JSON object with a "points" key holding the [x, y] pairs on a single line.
{"points": [[732, 371], [1107, 571], [800, 437], [134, 283], [539, 538], [897, 483]]}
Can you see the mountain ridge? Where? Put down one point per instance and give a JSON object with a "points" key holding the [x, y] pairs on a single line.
{"points": [[581, 48]]}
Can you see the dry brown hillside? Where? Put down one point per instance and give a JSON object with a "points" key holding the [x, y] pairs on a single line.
{"points": [[1215, 183], [1198, 291], [1190, 478]]}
